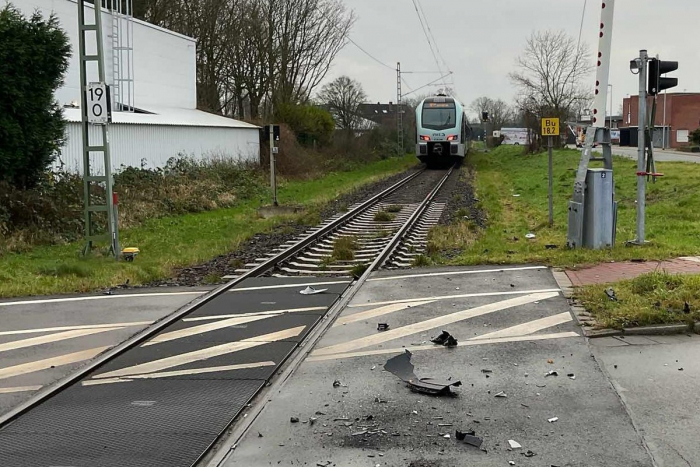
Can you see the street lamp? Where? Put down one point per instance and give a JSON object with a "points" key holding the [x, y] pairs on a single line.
{"points": [[635, 66]]}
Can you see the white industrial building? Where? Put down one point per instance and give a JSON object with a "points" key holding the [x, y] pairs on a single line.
{"points": [[152, 74]]}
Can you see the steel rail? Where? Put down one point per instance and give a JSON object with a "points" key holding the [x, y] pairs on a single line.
{"points": [[217, 459], [150, 331]]}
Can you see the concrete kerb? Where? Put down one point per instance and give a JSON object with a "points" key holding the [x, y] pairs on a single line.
{"points": [[587, 322]]}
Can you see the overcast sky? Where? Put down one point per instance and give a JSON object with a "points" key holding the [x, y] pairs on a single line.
{"points": [[480, 40]]}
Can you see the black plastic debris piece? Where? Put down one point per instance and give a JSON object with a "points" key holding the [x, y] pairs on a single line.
{"points": [[382, 327], [260, 435], [486, 371], [528, 454], [401, 367], [468, 437], [551, 247], [450, 342], [680, 369], [552, 373], [336, 383], [611, 294], [294, 420], [441, 339], [446, 339]]}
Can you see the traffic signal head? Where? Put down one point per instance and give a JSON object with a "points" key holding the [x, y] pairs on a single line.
{"points": [[658, 83]]}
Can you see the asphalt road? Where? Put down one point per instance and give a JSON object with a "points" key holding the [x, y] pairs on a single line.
{"points": [[660, 397], [512, 323], [660, 156], [44, 339]]}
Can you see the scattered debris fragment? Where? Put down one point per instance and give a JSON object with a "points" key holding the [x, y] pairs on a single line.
{"points": [[551, 247], [373, 367], [312, 420], [511, 462], [528, 454], [260, 435], [686, 308], [311, 291], [501, 394], [360, 433], [552, 373], [401, 367], [530, 236], [525, 405], [446, 436], [294, 420], [469, 437], [553, 419], [445, 338], [550, 361], [571, 375], [336, 383], [514, 444], [611, 294], [680, 369], [486, 371], [382, 327]]}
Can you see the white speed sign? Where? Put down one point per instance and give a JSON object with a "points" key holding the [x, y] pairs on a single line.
{"points": [[98, 105]]}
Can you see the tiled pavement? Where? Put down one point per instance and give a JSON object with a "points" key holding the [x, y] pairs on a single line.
{"points": [[613, 272]]}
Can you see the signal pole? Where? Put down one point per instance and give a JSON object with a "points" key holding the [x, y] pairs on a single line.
{"points": [[399, 107], [641, 147]]}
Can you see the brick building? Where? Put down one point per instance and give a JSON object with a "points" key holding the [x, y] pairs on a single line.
{"points": [[682, 116]]}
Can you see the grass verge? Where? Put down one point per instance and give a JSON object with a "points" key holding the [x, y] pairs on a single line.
{"points": [[512, 190], [171, 242], [653, 298]]}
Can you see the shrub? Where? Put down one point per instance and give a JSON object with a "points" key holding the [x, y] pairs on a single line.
{"points": [[33, 60], [695, 137], [309, 123]]}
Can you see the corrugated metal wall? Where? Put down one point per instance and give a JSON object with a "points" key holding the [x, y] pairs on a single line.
{"points": [[153, 145]]}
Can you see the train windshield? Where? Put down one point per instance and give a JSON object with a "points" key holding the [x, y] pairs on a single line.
{"points": [[439, 116]]}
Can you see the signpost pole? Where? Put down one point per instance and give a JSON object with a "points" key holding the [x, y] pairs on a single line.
{"points": [[550, 128], [550, 146]]}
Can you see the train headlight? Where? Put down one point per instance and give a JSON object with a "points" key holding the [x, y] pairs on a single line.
{"points": [[452, 138], [424, 138]]}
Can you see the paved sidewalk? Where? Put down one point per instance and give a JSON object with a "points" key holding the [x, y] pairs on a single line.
{"points": [[614, 272]]}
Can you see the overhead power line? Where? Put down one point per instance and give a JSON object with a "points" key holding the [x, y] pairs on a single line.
{"points": [[432, 82], [427, 36]]}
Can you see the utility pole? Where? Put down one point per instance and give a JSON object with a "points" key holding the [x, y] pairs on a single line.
{"points": [[399, 107], [641, 154], [96, 110]]}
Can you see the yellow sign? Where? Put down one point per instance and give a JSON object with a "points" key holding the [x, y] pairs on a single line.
{"points": [[550, 127]]}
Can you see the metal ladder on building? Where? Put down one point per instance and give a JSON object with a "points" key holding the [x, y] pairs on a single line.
{"points": [[122, 54]]}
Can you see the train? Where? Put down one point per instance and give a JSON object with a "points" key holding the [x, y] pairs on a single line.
{"points": [[443, 133]]}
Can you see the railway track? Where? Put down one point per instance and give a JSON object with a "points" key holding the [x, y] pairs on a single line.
{"points": [[370, 230], [153, 401]]}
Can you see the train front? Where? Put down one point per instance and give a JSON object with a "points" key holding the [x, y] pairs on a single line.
{"points": [[441, 135]]}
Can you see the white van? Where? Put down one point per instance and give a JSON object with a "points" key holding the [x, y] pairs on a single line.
{"points": [[515, 136]]}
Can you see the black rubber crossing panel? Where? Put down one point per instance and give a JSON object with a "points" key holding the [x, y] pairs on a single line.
{"points": [[142, 406], [251, 330], [262, 300], [274, 351], [171, 421], [101, 449]]}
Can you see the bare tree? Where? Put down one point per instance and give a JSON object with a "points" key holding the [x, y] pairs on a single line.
{"points": [[254, 51], [342, 97], [551, 73], [500, 113]]}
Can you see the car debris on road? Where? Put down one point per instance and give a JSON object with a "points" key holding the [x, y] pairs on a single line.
{"points": [[312, 291], [401, 367], [469, 437], [445, 338]]}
